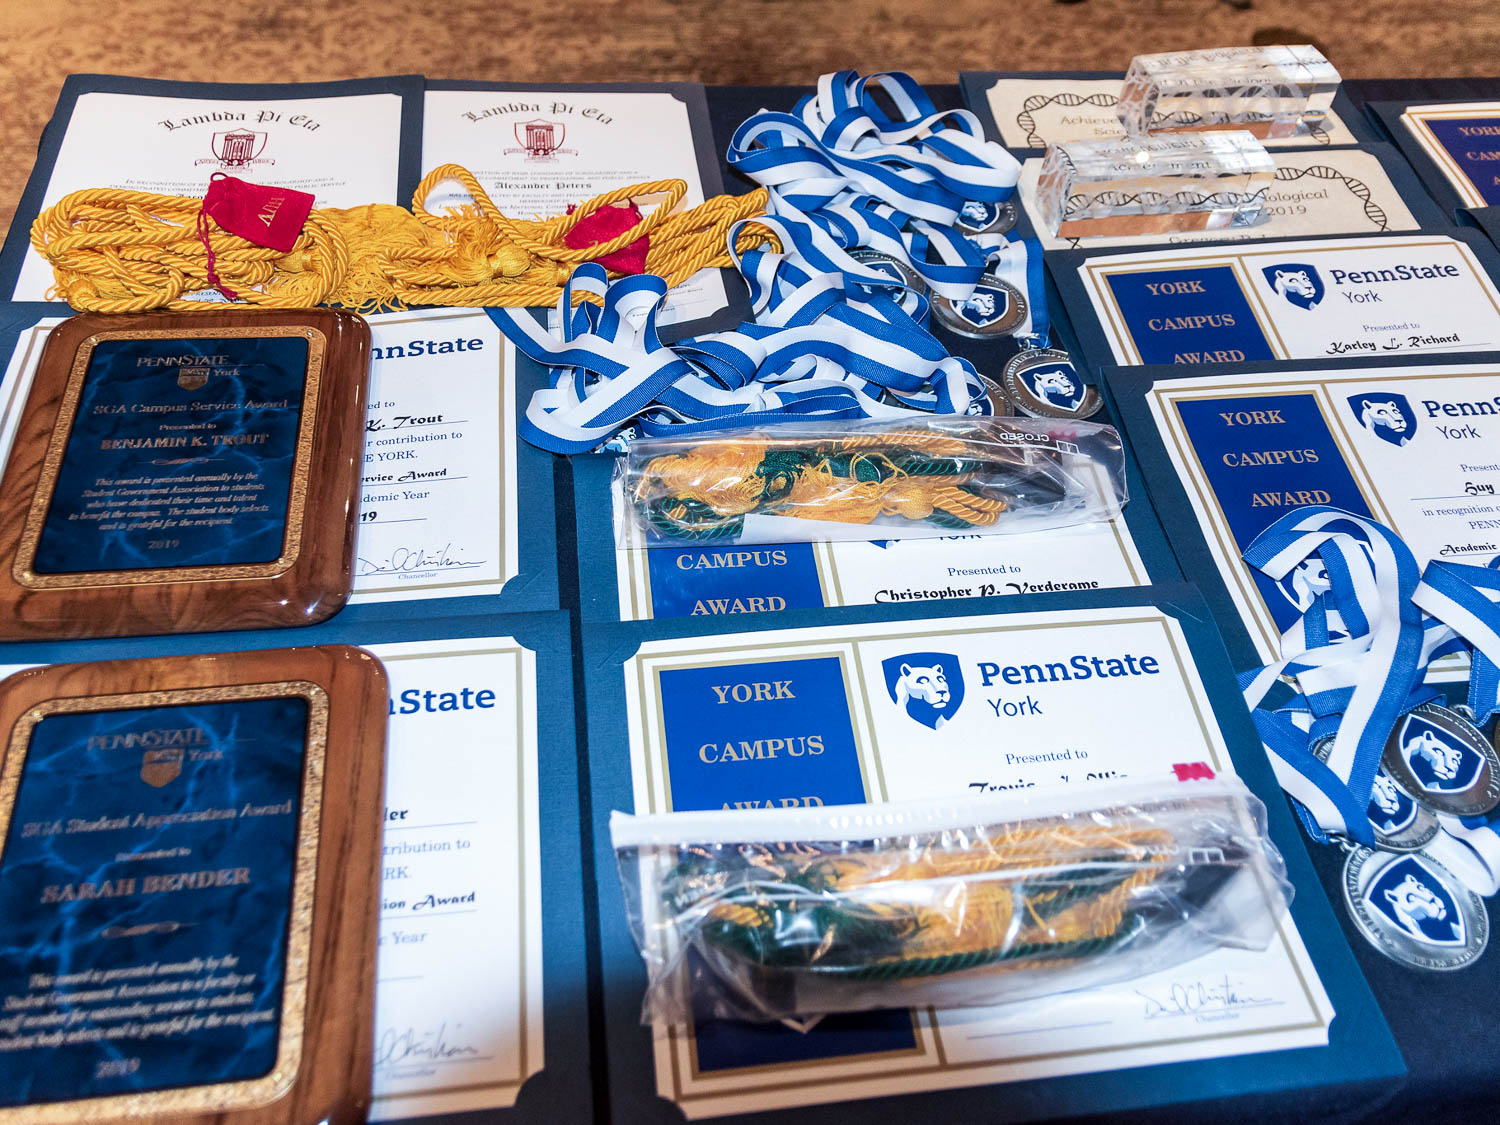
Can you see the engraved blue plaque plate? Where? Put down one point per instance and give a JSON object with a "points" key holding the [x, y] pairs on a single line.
{"points": [[181, 452], [146, 894]]}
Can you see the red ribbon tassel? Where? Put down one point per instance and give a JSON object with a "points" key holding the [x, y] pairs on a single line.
{"points": [[272, 217], [604, 224]]}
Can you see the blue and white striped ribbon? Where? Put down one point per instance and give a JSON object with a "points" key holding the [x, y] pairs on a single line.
{"points": [[895, 184], [823, 349], [1358, 658], [1355, 688]]}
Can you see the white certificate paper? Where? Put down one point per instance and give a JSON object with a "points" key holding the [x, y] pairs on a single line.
{"points": [[344, 150], [437, 514], [1417, 448], [1037, 112], [1095, 557], [1345, 191], [539, 152], [458, 996], [1085, 732], [1294, 300]]}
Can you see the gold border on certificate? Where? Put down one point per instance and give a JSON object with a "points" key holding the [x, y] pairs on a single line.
{"points": [[291, 546], [219, 1097], [1416, 118], [1164, 398]]}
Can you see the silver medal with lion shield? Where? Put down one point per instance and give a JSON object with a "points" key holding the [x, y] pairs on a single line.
{"points": [[1414, 910]]}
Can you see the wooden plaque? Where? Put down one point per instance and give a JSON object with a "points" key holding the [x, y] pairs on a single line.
{"points": [[184, 472], [189, 888]]}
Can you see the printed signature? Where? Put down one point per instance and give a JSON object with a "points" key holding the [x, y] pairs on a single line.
{"points": [[406, 560], [430, 1046], [1203, 999]]}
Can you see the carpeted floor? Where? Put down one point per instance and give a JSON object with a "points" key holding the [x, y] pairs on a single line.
{"points": [[749, 42]]}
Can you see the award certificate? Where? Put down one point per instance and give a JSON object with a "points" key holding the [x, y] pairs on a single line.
{"points": [[343, 150], [1037, 112], [458, 1000], [1463, 140], [437, 514], [1291, 300], [1079, 697], [708, 581], [1345, 191], [1415, 447], [538, 152]]}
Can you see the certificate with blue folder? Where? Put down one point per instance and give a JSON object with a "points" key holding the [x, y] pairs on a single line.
{"points": [[1418, 294], [345, 143], [481, 958], [1229, 449], [1295, 1016]]}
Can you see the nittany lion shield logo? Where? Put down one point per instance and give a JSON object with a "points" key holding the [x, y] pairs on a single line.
{"points": [[985, 306], [161, 767], [1440, 761], [1056, 383], [238, 147], [1388, 416], [928, 686], [191, 378], [1299, 284], [1391, 811], [540, 138], [1410, 895]]}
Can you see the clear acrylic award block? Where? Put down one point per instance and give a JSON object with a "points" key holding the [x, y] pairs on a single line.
{"points": [[1268, 91], [1154, 185]]}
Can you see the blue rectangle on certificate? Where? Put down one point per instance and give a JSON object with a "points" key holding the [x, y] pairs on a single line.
{"points": [[771, 734], [1474, 145], [731, 1045], [709, 581], [1264, 456], [1197, 314], [181, 453], [145, 892]]}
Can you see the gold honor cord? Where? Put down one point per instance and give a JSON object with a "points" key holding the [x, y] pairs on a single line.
{"points": [[705, 492], [118, 251], [1028, 897]]}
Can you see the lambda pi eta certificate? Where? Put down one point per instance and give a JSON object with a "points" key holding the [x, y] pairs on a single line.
{"points": [[1414, 447], [539, 152], [343, 150], [1079, 697]]}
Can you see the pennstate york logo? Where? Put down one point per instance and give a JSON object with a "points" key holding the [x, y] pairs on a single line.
{"points": [[1390, 810], [1300, 284], [1388, 416], [191, 378], [1439, 761], [928, 686], [1409, 895], [161, 767], [1056, 383], [237, 148]]}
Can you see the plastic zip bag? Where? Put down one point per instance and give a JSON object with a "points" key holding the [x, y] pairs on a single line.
{"points": [[799, 482], [791, 913]]}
